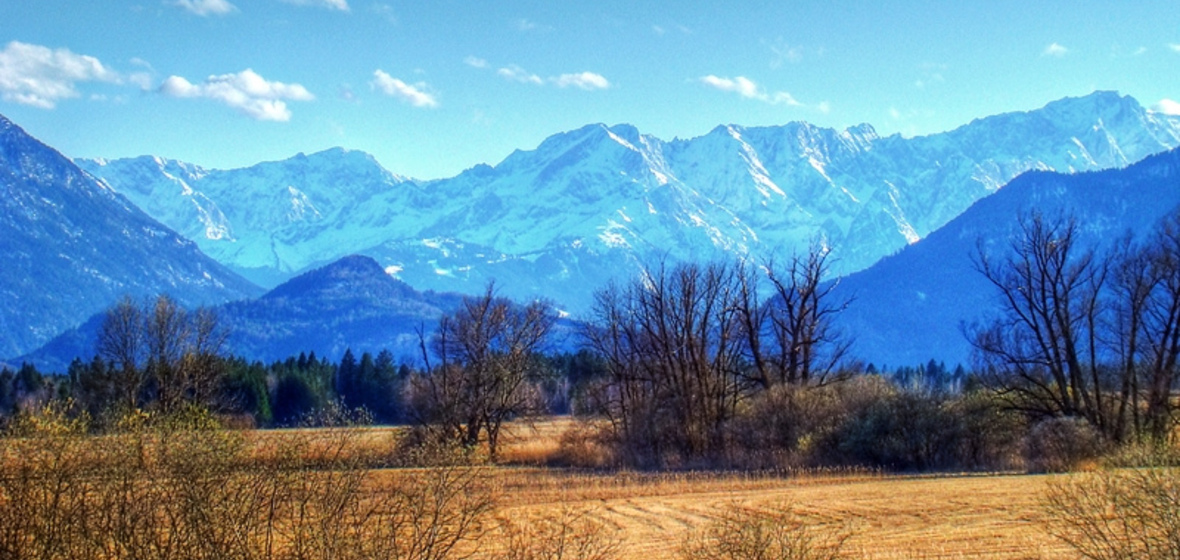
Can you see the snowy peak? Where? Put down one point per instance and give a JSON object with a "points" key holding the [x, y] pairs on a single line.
{"points": [[587, 204]]}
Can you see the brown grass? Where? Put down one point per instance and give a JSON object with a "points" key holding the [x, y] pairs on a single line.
{"points": [[990, 517], [998, 516], [649, 516]]}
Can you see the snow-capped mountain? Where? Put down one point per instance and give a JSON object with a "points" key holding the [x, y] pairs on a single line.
{"points": [[909, 307], [590, 204], [70, 246], [270, 220]]}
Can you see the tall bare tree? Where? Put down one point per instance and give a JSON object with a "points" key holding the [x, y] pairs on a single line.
{"points": [[1043, 346], [790, 331], [1084, 334], [686, 345], [487, 363], [121, 343]]}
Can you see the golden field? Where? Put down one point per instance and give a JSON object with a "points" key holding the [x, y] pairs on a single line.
{"points": [[996, 516], [645, 515]]}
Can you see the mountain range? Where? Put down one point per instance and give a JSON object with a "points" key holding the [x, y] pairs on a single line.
{"points": [[582, 209], [591, 204], [70, 246], [911, 307]]}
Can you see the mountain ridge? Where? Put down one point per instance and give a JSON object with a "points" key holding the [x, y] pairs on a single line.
{"points": [[588, 204], [72, 246], [909, 307]]}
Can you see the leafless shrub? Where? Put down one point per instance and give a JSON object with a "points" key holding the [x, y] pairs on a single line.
{"points": [[44, 460], [1062, 444], [437, 513], [1118, 514], [180, 487], [570, 535], [750, 534], [584, 445]]}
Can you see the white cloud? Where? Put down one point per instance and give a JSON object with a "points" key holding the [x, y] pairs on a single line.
{"points": [[584, 80], [39, 76], [518, 74], [413, 94], [206, 7], [749, 89], [1055, 49], [1175, 47], [341, 5], [1167, 107], [783, 52], [740, 85], [245, 91]]}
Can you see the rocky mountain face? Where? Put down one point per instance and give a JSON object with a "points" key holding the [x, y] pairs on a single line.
{"points": [[911, 307], [70, 246], [589, 205]]}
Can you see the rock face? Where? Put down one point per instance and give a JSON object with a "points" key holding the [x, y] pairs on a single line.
{"points": [[589, 205], [70, 246], [908, 308]]}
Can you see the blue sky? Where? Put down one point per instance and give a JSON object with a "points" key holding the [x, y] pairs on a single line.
{"points": [[433, 87]]}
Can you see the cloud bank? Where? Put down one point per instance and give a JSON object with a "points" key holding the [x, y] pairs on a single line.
{"points": [[40, 77], [1167, 107], [246, 91]]}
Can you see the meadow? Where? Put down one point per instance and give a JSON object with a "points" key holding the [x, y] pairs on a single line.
{"points": [[987, 516], [201, 491]]}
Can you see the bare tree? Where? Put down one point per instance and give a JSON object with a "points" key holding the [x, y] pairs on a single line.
{"points": [[1087, 335], [1044, 346], [487, 356], [686, 345], [673, 345], [1146, 336], [791, 335], [164, 347], [120, 342]]}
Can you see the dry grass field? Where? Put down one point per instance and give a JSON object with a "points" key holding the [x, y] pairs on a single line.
{"points": [[649, 515], [887, 517]]}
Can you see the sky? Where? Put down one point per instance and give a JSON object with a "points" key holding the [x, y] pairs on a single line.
{"points": [[432, 87]]}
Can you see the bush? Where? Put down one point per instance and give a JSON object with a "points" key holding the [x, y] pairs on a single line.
{"points": [[1062, 444], [748, 534], [1118, 514], [789, 426], [568, 536], [181, 487]]}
